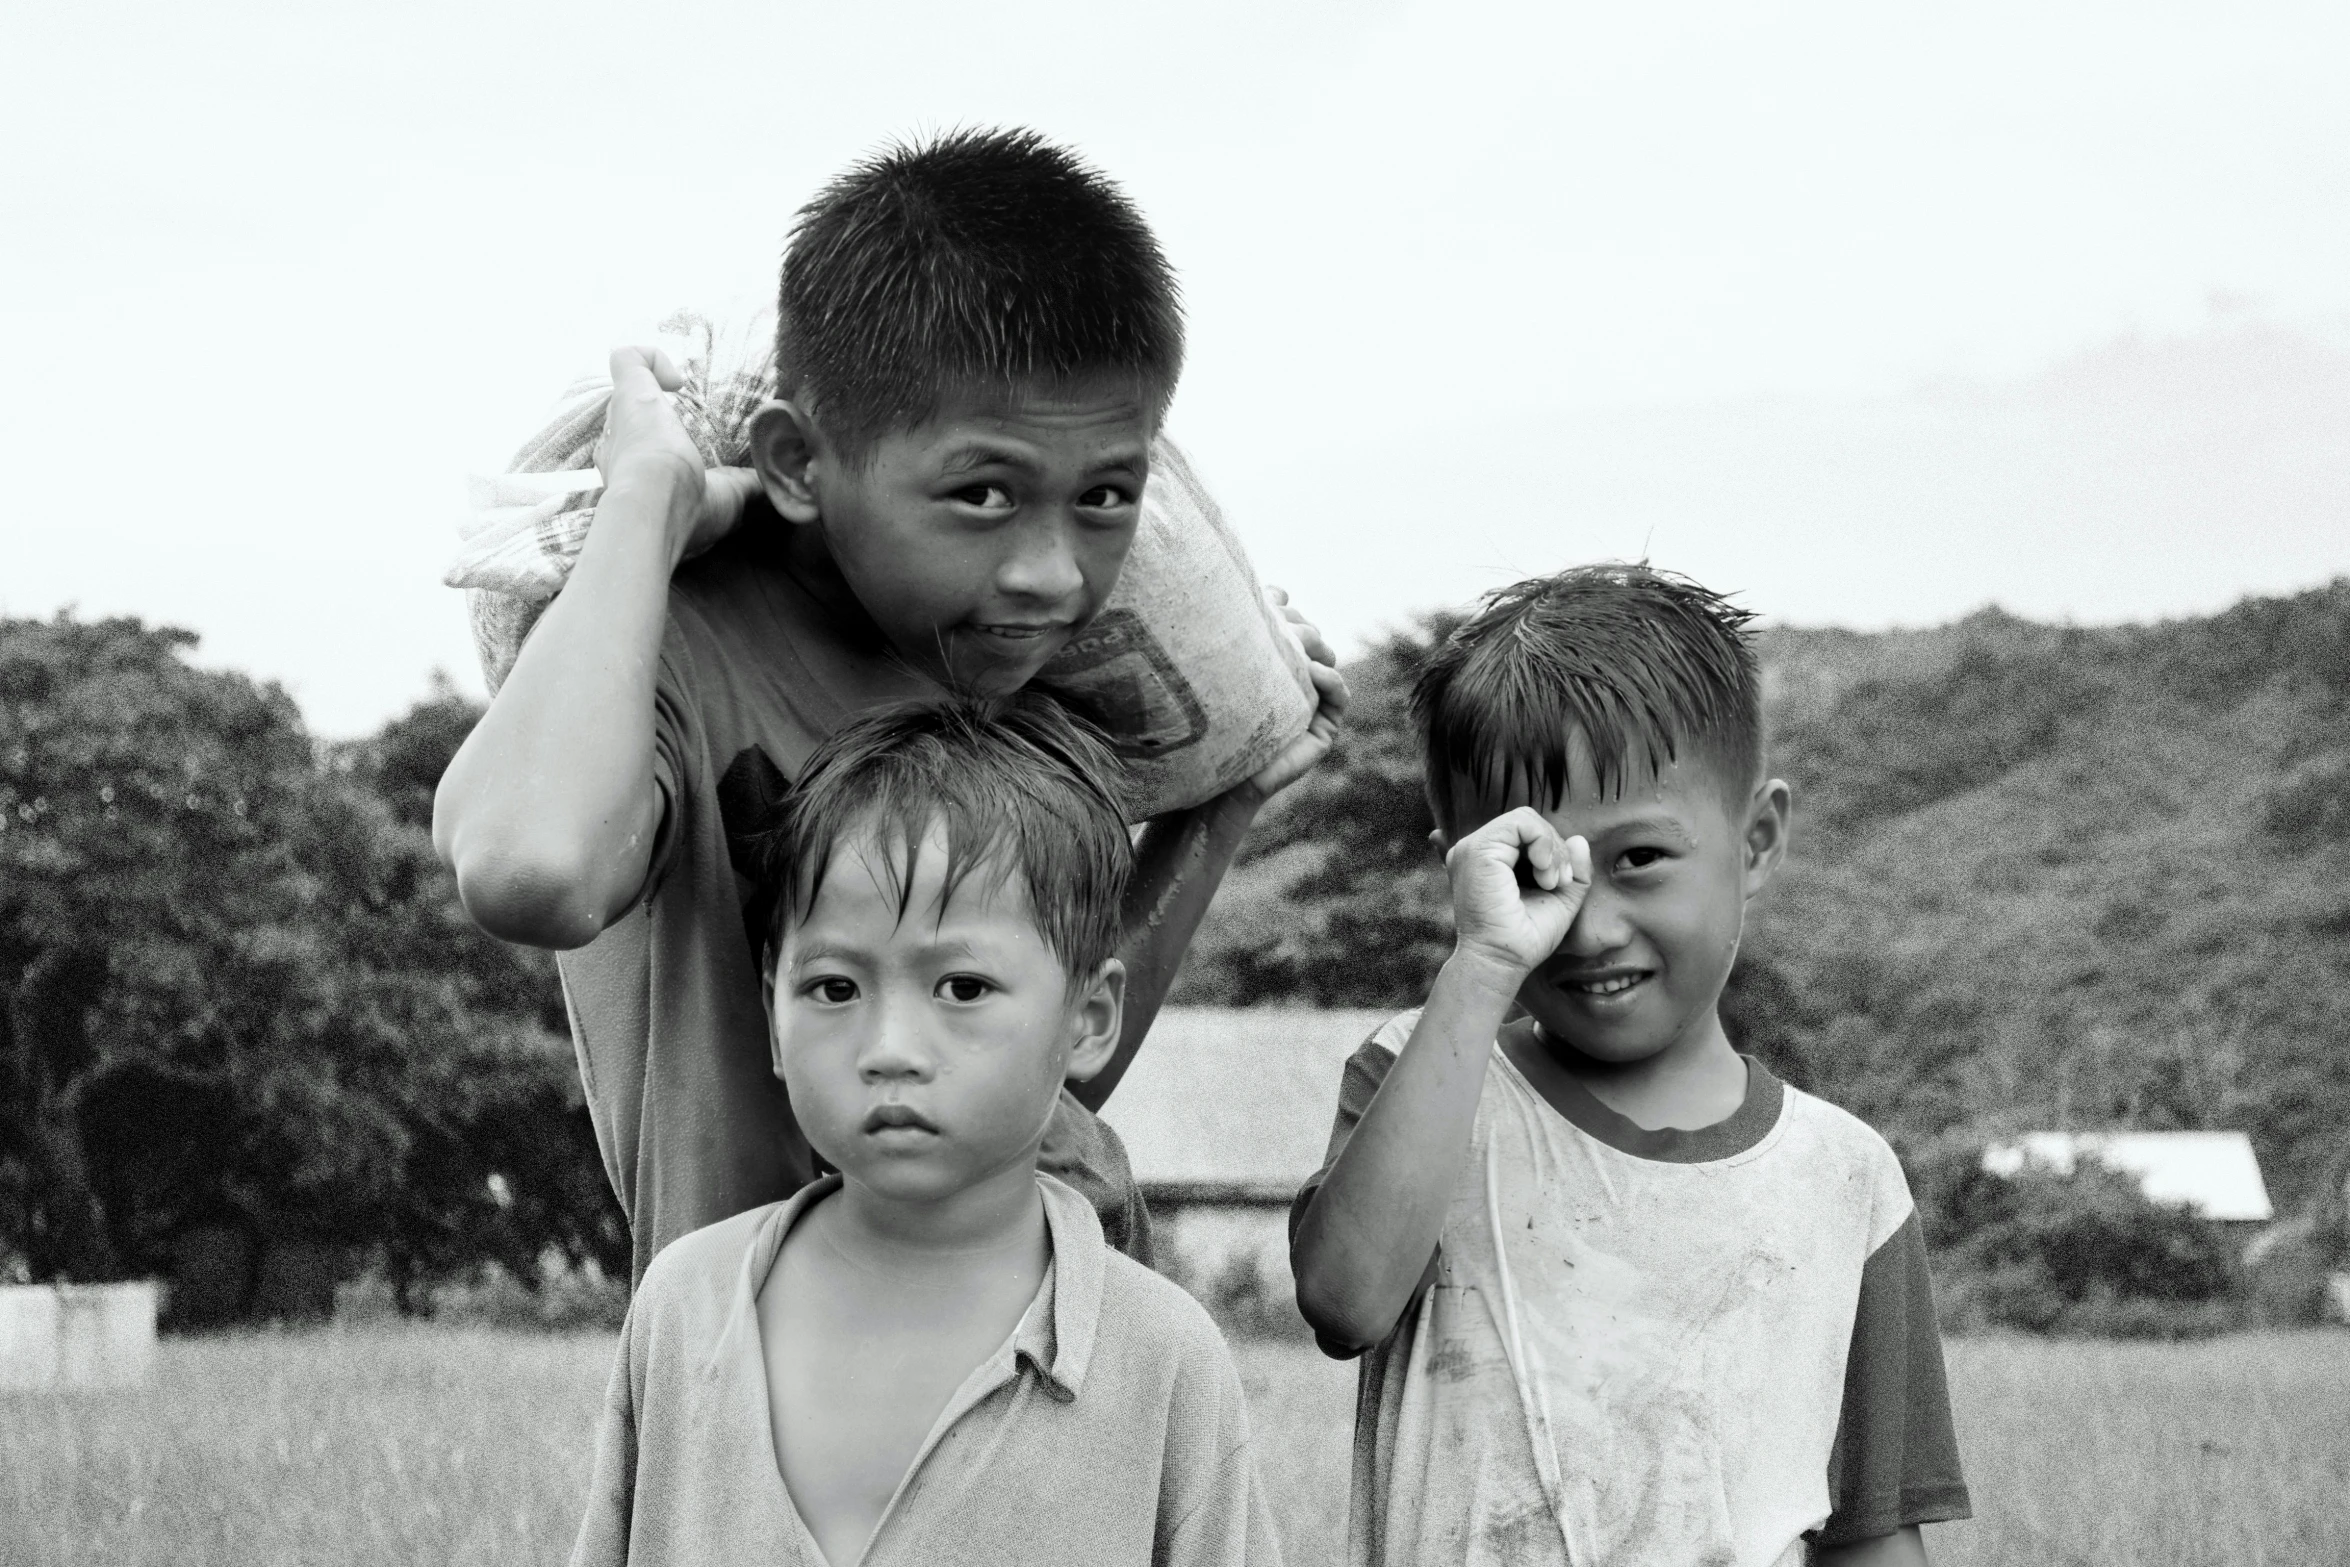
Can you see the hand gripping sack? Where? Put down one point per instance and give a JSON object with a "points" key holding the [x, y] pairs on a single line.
{"points": [[1194, 676]]}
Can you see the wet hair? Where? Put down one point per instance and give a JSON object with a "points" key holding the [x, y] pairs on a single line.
{"points": [[987, 257], [1018, 788], [1639, 667]]}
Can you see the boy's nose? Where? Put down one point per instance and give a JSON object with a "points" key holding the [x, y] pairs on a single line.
{"points": [[1042, 564], [1600, 926], [894, 1049]]}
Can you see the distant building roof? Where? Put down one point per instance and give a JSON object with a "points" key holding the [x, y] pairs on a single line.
{"points": [[2213, 1173], [1235, 1097]]}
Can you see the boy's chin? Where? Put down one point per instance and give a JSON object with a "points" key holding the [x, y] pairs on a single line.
{"points": [[1618, 1046]]}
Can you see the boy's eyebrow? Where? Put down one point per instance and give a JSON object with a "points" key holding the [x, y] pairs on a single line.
{"points": [[1663, 826], [978, 452], [820, 951]]}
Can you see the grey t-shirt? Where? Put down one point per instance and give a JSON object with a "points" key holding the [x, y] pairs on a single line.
{"points": [[665, 1005]]}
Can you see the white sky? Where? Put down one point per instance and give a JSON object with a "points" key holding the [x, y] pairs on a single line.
{"points": [[1874, 311]]}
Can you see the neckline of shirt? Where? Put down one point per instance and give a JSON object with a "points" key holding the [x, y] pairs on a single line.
{"points": [[1742, 1131]]}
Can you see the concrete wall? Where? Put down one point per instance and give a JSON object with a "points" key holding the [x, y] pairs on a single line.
{"points": [[77, 1335]]}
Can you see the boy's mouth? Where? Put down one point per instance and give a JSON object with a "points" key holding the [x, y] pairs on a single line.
{"points": [[897, 1118], [1015, 631], [1601, 984]]}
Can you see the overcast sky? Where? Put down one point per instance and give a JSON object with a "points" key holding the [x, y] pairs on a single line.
{"points": [[1874, 312]]}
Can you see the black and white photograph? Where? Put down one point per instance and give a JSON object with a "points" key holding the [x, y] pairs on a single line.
{"points": [[1104, 785]]}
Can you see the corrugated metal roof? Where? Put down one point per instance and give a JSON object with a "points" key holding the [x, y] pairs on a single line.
{"points": [[2215, 1174], [1235, 1095]]}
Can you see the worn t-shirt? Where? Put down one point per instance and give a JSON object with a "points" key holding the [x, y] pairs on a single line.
{"points": [[1109, 1430], [665, 1005], [1699, 1347]]}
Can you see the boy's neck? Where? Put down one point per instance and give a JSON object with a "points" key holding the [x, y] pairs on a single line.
{"points": [[807, 560], [1001, 1214], [1696, 1081]]}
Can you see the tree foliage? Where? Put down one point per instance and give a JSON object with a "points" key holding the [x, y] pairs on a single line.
{"points": [[236, 992]]}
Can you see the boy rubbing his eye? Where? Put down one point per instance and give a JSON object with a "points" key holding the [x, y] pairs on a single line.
{"points": [[930, 1356], [1624, 1298]]}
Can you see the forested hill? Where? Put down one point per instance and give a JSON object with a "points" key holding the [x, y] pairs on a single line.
{"points": [[2041, 876]]}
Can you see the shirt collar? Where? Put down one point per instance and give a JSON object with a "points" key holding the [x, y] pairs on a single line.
{"points": [[1058, 1340], [1055, 1335]]}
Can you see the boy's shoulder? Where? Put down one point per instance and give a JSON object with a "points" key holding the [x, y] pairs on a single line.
{"points": [[741, 604], [701, 1267], [1143, 1308], [1832, 1124], [1156, 1350], [1850, 1158]]}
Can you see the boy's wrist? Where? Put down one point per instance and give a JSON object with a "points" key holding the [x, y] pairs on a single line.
{"points": [[1239, 804], [1486, 974], [660, 493]]}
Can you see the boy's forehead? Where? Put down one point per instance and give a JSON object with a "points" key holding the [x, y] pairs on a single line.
{"points": [[1643, 780], [876, 872], [1104, 409]]}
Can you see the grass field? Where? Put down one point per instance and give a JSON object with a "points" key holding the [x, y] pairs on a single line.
{"points": [[444, 1446]]}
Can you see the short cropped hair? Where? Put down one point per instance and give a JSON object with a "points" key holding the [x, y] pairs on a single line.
{"points": [[983, 256], [1017, 786], [1643, 665]]}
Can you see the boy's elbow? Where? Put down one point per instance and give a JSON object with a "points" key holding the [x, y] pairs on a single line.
{"points": [[536, 899], [1335, 1312]]}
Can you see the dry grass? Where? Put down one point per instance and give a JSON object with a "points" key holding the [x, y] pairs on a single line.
{"points": [[365, 1447], [439, 1446]]}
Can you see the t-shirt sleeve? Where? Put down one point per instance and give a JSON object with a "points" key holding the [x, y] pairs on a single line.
{"points": [[1358, 1085], [1895, 1460], [676, 751]]}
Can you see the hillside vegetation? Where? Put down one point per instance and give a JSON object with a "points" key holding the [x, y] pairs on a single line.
{"points": [[2042, 876]]}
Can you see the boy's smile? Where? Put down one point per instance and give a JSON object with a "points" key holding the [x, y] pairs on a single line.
{"points": [[982, 539]]}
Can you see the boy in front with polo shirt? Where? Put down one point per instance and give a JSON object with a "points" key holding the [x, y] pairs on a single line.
{"points": [[1624, 1299], [931, 1356]]}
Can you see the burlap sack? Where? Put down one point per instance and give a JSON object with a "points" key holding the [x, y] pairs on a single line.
{"points": [[1195, 677]]}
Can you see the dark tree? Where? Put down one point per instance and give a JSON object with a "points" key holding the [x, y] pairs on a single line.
{"points": [[237, 996]]}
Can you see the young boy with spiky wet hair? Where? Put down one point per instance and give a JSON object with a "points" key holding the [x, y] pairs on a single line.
{"points": [[977, 337], [930, 1356], [1623, 1297]]}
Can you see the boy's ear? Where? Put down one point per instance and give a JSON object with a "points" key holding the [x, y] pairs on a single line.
{"points": [[784, 451], [1768, 817], [1101, 1013], [767, 959]]}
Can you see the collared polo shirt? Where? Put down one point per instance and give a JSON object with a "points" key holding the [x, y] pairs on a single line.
{"points": [[1109, 1428]]}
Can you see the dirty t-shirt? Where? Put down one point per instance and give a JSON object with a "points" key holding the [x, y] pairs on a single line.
{"points": [[1699, 1347], [665, 1005]]}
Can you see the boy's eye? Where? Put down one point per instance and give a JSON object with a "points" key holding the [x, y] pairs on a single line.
{"points": [[1105, 497], [832, 990], [985, 497], [1640, 859], [963, 987]]}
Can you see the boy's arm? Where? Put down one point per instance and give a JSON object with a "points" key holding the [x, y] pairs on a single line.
{"points": [[1901, 1548], [1183, 856], [1364, 1239], [549, 811]]}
